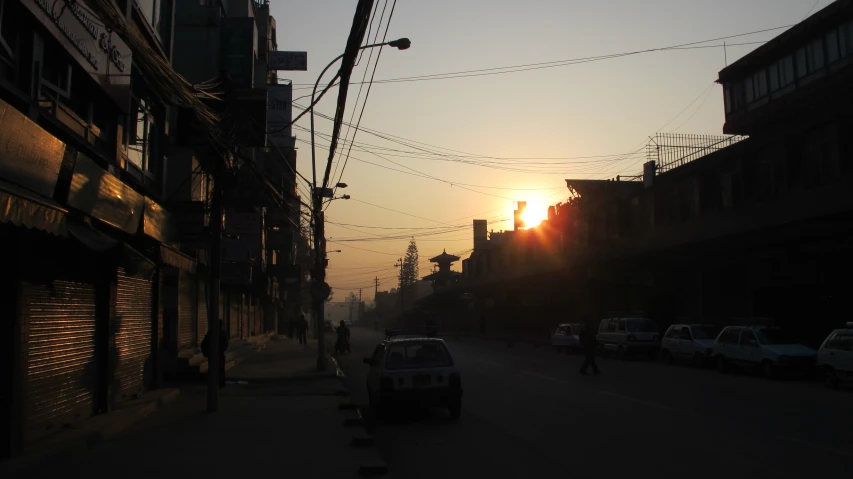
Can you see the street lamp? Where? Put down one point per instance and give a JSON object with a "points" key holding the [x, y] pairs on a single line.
{"points": [[400, 44], [317, 206]]}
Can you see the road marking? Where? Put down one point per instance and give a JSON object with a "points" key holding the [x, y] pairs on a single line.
{"points": [[648, 403], [817, 446]]}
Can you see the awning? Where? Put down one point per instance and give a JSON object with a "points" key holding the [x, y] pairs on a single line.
{"points": [[20, 207], [173, 257], [90, 237]]}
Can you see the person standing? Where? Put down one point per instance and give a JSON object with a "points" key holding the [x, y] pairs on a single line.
{"points": [[589, 343], [223, 345], [301, 329]]}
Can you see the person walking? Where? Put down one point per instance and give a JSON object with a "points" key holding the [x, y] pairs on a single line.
{"points": [[301, 329], [589, 343], [223, 345]]}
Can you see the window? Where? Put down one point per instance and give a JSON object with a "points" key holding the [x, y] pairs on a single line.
{"points": [[774, 77], [620, 326], [759, 84], [843, 342], [845, 39], [776, 336], [747, 338], [671, 333], [750, 92], [685, 334], [832, 52], [786, 71], [418, 355], [8, 42], [816, 60], [55, 72], [640, 325], [151, 10], [802, 66], [141, 133], [612, 325], [729, 336]]}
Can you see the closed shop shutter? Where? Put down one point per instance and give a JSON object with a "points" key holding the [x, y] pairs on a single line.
{"points": [[234, 304], [132, 329], [186, 311], [62, 377], [202, 308]]}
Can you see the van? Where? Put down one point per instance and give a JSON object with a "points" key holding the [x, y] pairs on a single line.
{"points": [[627, 336]]}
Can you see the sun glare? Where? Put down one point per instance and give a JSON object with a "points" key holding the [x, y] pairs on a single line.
{"points": [[534, 214]]}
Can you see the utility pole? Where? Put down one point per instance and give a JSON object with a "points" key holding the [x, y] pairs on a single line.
{"points": [[400, 289], [375, 287], [213, 305], [319, 278]]}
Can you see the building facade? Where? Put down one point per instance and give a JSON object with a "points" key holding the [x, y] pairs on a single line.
{"points": [[106, 185], [718, 229]]}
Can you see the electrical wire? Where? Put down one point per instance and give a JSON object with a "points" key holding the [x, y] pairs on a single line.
{"points": [[566, 62], [369, 85]]}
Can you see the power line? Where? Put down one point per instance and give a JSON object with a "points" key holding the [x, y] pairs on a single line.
{"points": [[566, 62], [361, 85], [369, 85]]}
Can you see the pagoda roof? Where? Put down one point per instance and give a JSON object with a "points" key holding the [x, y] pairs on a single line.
{"points": [[445, 258]]}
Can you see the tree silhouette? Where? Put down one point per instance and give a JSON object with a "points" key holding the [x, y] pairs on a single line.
{"points": [[409, 272]]}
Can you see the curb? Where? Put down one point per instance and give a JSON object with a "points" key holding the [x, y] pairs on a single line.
{"points": [[369, 468]]}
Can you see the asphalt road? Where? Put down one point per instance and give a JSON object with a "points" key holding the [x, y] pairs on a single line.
{"points": [[528, 413]]}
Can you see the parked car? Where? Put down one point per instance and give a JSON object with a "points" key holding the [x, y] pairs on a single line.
{"points": [[626, 336], [689, 342], [566, 337], [835, 357], [772, 349], [414, 367]]}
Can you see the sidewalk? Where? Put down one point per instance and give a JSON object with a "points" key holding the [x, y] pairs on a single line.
{"points": [[281, 418]]}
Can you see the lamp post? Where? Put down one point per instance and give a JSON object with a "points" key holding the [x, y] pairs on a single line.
{"points": [[319, 275]]}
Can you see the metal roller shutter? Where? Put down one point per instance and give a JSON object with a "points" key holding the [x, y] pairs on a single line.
{"points": [[234, 303], [132, 329], [62, 377], [202, 308], [186, 311]]}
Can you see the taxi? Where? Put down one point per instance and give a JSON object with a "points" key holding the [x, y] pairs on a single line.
{"points": [[414, 366], [835, 357]]}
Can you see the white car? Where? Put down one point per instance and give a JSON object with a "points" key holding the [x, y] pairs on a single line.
{"points": [[626, 336], [770, 348], [414, 367], [835, 357], [566, 337], [689, 342]]}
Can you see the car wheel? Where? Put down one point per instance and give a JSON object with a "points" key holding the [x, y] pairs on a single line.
{"points": [[666, 356], [698, 360], [455, 408], [653, 353], [722, 364], [830, 378], [769, 370]]}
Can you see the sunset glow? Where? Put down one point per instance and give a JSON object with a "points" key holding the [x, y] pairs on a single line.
{"points": [[534, 214]]}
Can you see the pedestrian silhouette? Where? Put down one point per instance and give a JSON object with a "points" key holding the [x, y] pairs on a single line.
{"points": [[301, 329], [223, 345], [589, 343]]}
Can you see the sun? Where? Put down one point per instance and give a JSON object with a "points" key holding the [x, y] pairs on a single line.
{"points": [[533, 215]]}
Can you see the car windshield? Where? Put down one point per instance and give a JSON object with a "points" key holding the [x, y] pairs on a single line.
{"points": [[705, 332], [641, 326], [416, 355], [776, 336]]}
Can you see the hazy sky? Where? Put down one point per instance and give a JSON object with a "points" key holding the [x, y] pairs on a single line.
{"points": [[544, 119]]}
